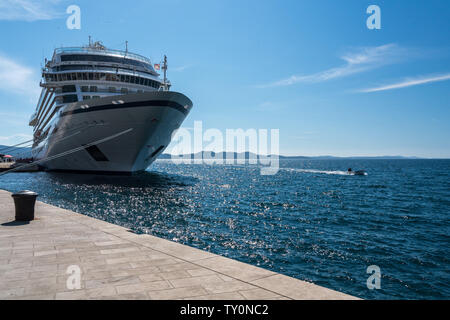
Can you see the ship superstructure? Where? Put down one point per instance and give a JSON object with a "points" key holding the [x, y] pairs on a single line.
{"points": [[90, 93]]}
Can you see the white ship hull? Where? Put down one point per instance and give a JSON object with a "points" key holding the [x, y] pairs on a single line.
{"points": [[144, 121]]}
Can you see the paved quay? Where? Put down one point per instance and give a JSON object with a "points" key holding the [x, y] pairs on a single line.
{"points": [[116, 263]]}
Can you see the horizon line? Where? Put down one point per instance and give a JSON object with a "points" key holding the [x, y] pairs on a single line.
{"points": [[319, 156], [290, 156]]}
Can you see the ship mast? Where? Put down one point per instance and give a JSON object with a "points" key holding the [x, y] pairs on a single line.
{"points": [[164, 67]]}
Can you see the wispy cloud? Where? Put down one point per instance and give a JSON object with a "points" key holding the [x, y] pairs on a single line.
{"points": [[410, 82], [181, 68], [29, 10], [17, 78], [267, 106], [13, 118], [307, 135], [14, 139], [360, 60]]}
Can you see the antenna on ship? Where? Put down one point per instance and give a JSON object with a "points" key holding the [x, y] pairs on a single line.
{"points": [[89, 41], [164, 67], [126, 46]]}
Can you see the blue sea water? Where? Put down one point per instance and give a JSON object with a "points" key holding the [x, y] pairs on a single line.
{"points": [[310, 221]]}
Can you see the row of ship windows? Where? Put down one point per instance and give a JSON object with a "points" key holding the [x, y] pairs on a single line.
{"points": [[74, 98], [89, 67], [68, 98], [76, 76], [90, 97], [101, 58], [72, 88]]}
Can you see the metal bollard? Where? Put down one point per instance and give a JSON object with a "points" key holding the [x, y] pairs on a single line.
{"points": [[24, 202]]}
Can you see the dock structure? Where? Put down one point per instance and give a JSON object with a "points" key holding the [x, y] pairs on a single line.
{"points": [[5, 166], [41, 260], [18, 167]]}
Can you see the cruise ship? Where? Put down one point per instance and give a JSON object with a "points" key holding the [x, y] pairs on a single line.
{"points": [[104, 111]]}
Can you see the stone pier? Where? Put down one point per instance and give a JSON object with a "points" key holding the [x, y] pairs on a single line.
{"points": [[115, 263]]}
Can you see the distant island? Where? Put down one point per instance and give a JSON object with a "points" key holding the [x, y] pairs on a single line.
{"points": [[26, 152], [247, 155], [17, 152]]}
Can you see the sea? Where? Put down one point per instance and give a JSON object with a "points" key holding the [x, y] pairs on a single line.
{"points": [[311, 220]]}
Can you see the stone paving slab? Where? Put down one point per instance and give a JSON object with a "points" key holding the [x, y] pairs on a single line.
{"points": [[116, 263]]}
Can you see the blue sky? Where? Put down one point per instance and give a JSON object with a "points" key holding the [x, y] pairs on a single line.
{"points": [[309, 68]]}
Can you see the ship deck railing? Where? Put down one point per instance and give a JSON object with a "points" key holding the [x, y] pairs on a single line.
{"points": [[120, 53]]}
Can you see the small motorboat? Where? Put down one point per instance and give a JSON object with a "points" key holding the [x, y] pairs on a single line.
{"points": [[357, 172]]}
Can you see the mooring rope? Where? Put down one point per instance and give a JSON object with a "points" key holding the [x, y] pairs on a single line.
{"points": [[65, 153]]}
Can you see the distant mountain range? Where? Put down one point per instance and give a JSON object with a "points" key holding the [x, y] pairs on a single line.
{"points": [[19, 152], [26, 152], [247, 155]]}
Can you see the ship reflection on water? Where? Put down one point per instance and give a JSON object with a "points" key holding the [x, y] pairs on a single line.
{"points": [[142, 180]]}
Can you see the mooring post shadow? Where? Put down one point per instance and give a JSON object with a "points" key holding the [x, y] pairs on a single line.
{"points": [[24, 202]]}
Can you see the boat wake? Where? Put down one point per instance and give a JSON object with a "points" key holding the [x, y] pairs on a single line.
{"points": [[338, 172]]}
